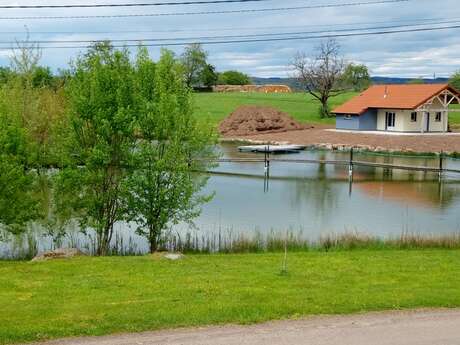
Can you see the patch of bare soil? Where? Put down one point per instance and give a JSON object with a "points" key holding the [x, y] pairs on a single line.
{"points": [[253, 120]]}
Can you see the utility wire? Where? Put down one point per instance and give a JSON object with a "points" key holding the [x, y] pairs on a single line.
{"points": [[141, 4], [295, 38], [197, 38], [423, 20], [256, 10]]}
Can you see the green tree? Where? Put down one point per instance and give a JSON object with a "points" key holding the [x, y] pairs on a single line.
{"points": [[455, 80], [209, 76], [194, 62], [29, 121], [103, 112], [164, 188], [42, 77], [233, 78], [356, 77], [17, 183], [5, 75]]}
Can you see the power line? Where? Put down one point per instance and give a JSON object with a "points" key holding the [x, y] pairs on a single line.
{"points": [[294, 38], [196, 38], [256, 10], [423, 20], [142, 4]]}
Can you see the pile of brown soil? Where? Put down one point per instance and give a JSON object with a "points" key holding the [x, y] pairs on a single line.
{"points": [[251, 119]]}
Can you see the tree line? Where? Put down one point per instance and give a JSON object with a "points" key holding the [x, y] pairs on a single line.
{"points": [[113, 141], [200, 73]]}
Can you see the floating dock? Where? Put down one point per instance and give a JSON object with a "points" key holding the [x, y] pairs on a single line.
{"points": [[272, 148]]}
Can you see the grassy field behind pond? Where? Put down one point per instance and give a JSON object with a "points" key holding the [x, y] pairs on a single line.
{"points": [[96, 296], [217, 106], [301, 106]]}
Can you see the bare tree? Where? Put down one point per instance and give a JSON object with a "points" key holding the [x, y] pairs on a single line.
{"points": [[320, 75], [24, 62]]}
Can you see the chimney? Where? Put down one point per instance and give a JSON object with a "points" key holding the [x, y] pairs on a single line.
{"points": [[385, 95]]}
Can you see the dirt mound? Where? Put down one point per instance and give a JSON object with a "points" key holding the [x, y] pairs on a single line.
{"points": [[251, 119]]}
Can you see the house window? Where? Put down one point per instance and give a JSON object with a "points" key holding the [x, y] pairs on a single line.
{"points": [[413, 116], [390, 119], [348, 117], [438, 116]]}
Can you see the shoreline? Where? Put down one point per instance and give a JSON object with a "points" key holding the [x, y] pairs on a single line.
{"points": [[448, 146]]}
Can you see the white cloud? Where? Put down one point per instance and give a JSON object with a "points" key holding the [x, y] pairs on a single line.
{"points": [[408, 54]]}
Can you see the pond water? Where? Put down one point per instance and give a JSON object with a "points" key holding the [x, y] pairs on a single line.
{"points": [[317, 200]]}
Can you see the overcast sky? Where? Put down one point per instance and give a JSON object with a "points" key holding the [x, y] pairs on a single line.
{"points": [[406, 54]]}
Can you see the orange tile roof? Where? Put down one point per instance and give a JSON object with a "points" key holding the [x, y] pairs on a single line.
{"points": [[405, 96]]}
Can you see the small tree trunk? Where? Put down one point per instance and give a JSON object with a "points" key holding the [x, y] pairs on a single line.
{"points": [[153, 240], [325, 107]]}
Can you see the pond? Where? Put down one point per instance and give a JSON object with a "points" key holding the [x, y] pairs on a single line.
{"points": [[319, 199], [312, 200]]}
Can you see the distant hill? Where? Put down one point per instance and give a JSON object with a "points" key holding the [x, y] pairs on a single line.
{"points": [[390, 80], [291, 82]]}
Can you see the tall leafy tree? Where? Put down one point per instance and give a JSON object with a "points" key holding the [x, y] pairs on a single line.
{"points": [[29, 121], [233, 78], [17, 183], [356, 77], [209, 76], [103, 113], [164, 188], [194, 62]]}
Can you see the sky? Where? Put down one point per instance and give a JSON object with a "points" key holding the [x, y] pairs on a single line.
{"points": [[414, 54]]}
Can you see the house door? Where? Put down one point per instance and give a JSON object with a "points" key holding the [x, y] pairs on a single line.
{"points": [[427, 122], [390, 121]]}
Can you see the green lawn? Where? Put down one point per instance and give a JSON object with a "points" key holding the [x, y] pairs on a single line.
{"points": [[95, 296], [217, 106], [454, 117]]}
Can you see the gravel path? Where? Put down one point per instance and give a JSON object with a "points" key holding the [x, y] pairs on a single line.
{"points": [[423, 327], [321, 135]]}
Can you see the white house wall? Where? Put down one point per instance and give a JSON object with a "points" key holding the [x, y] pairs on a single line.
{"points": [[403, 121], [400, 120], [437, 126]]}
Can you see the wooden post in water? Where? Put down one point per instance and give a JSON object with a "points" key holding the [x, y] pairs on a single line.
{"points": [[441, 156], [350, 166], [266, 168]]}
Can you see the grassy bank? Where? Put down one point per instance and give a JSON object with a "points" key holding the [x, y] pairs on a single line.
{"points": [[95, 296], [217, 106]]}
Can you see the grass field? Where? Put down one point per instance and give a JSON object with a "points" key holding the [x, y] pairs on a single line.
{"points": [[216, 106], [454, 118], [95, 296]]}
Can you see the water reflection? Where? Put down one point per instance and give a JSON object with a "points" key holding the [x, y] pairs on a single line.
{"points": [[319, 199]]}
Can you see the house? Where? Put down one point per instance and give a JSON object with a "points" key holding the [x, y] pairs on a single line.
{"points": [[399, 108]]}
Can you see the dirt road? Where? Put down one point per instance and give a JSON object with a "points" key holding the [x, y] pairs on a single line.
{"points": [[441, 327]]}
